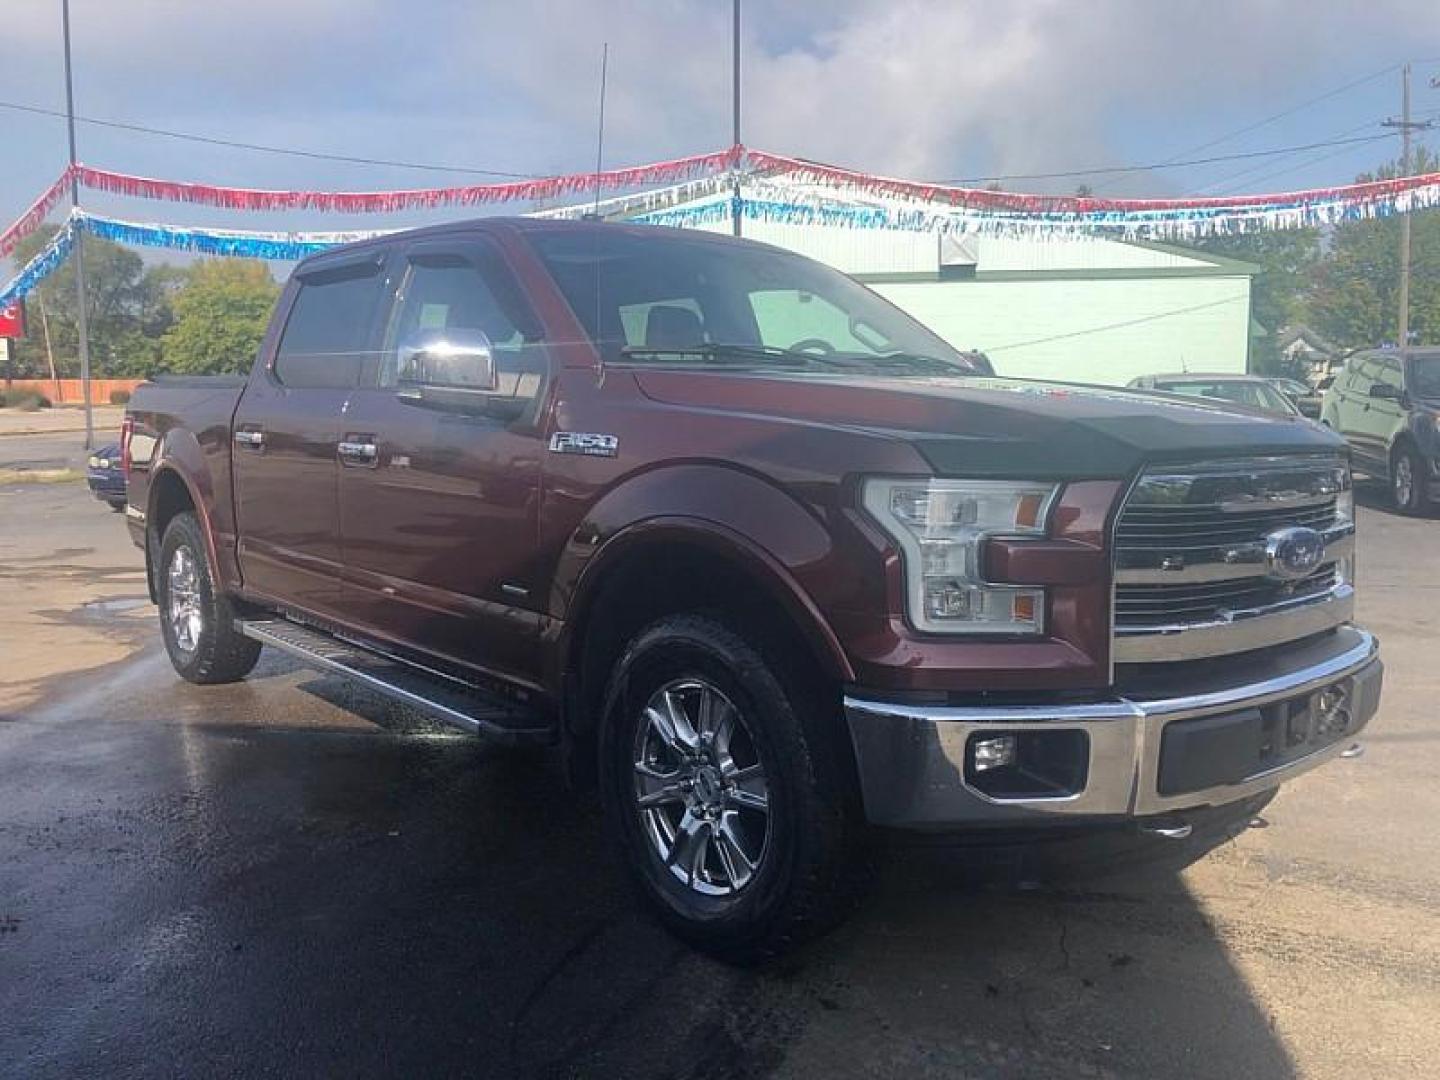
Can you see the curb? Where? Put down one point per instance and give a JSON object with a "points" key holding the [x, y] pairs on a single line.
{"points": [[46, 431]]}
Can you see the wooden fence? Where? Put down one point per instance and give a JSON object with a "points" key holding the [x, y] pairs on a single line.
{"points": [[70, 392]]}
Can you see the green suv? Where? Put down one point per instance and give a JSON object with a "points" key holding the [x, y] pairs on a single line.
{"points": [[1387, 406]]}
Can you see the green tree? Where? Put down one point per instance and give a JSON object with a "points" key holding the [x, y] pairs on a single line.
{"points": [[221, 313], [1279, 292], [1355, 293], [127, 303]]}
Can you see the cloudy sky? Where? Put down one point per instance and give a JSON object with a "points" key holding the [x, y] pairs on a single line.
{"points": [[935, 89]]}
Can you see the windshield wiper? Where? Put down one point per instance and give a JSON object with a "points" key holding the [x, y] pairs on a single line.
{"points": [[921, 362], [721, 353]]}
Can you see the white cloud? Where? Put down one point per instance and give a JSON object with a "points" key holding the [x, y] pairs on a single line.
{"points": [[933, 88]]}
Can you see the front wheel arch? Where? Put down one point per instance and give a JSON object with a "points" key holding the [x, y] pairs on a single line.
{"points": [[665, 566], [1420, 502]]}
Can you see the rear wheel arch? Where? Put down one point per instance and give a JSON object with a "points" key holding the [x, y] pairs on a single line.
{"points": [[170, 496]]}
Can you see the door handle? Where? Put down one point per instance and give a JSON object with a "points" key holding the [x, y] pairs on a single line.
{"points": [[251, 438], [358, 452]]}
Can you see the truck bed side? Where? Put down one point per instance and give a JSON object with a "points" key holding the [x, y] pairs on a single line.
{"points": [[180, 459]]}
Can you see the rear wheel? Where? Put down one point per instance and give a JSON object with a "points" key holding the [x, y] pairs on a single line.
{"points": [[1407, 482], [196, 621], [727, 790]]}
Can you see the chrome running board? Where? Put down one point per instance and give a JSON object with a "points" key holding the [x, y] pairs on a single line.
{"points": [[458, 703]]}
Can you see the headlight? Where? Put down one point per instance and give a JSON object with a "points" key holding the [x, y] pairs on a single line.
{"points": [[96, 463], [1345, 498], [940, 525]]}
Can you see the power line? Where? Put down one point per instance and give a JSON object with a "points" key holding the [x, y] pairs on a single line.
{"points": [[1115, 326], [316, 155], [1287, 112], [1281, 171], [1172, 164], [1261, 168], [433, 167]]}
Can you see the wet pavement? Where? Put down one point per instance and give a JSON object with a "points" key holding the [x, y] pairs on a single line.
{"points": [[289, 877]]}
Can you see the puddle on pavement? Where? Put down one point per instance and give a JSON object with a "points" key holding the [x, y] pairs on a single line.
{"points": [[116, 606]]}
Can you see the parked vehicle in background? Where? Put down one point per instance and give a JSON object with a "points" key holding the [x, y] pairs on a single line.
{"points": [[105, 477], [1386, 405], [1252, 391], [766, 558], [1303, 396]]}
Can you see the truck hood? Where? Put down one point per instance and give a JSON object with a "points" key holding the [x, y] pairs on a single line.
{"points": [[1003, 427]]}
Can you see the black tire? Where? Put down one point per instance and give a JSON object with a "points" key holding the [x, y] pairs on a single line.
{"points": [[207, 648], [812, 859], [118, 507], [1408, 478]]}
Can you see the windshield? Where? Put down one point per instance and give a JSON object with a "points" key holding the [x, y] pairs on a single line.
{"points": [[1425, 376], [675, 299], [1257, 395]]}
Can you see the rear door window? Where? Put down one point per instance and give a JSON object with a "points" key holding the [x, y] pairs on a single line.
{"points": [[328, 333]]}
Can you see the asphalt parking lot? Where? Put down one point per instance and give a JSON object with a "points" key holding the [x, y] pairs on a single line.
{"points": [[286, 877]]}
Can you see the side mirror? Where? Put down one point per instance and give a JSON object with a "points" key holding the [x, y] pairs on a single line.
{"points": [[454, 371], [455, 359], [1384, 391]]}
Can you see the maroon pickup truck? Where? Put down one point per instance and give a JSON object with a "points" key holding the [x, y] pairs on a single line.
{"points": [[768, 561]]}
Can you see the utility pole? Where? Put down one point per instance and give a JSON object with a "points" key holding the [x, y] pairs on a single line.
{"points": [[735, 203], [1406, 125], [82, 317]]}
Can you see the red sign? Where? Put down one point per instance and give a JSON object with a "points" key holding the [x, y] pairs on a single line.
{"points": [[12, 320]]}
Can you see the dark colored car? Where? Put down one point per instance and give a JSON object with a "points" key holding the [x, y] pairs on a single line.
{"points": [[1302, 395], [105, 476], [767, 560], [1251, 391], [1386, 404]]}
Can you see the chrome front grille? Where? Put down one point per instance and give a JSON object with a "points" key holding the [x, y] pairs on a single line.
{"points": [[1160, 605], [1186, 527], [1223, 557]]}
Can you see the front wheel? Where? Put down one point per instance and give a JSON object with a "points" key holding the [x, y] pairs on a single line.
{"points": [[1407, 482], [196, 620], [723, 777]]}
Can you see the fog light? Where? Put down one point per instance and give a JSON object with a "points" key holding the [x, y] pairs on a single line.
{"points": [[993, 753], [1036, 763], [1333, 710]]}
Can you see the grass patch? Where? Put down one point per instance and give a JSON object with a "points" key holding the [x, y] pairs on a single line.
{"points": [[39, 476]]}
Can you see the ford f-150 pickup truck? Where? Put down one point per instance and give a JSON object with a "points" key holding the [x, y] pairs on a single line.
{"points": [[769, 562]]}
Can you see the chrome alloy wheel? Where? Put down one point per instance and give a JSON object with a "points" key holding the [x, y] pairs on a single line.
{"points": [[187, 620], [1404, 480], [700, 789]]}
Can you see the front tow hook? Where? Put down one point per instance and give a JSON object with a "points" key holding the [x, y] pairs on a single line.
{"points": [[1169, 829]]}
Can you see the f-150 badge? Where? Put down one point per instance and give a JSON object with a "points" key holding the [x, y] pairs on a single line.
{"points": [[580, 442]]}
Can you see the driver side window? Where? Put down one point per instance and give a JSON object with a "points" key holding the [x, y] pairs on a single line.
{"points": [[449, 292], [1388, 372]]}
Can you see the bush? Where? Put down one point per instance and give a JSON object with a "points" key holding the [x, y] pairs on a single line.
{"points": [[31, 400], [25, 400], [119, 397]]}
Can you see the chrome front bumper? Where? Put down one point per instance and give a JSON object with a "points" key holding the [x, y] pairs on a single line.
{"points": [[911, 758]]}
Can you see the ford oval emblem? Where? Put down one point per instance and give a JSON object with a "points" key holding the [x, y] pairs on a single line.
{"points": [[1293, 553]]}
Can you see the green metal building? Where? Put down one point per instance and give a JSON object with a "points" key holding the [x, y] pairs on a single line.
{"points": [[1079, 310]]}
